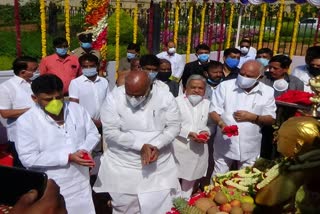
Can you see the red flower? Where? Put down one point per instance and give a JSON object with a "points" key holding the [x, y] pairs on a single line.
{"points": [[231, 130], [173, 211], [203, 136], [297, 97], [194, 198]]}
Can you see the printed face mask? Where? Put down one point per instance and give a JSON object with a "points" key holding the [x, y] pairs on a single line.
{"points": [[245, 82], [89, 72], [195, 99], [54, 107], [231, 62]]}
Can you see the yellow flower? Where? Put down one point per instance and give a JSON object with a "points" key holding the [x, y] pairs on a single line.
{"points": [[189, 33], [262, 25]]}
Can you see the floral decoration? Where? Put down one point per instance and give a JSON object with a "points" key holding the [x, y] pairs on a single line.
{"points": [[43, 28], [278, 28], [203, 15], [67, 19], [229, 31], [231, 130], [189, 33], [176, 23], [262, 25]]}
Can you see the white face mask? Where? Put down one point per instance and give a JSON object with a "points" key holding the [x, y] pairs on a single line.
{"points": [[171, 50], [244, 50], [35, 75], [135, 101], [89, 72], [280, 85], [245, 82], [194, 99]]}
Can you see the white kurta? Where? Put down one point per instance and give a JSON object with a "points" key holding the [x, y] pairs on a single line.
{"points": [[177, 62], [126, 131], [15, 94], [191, 157], [44, 146], [303, 74], [229, 98]]}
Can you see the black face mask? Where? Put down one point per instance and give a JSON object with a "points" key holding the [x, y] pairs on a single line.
{"points": [[314, 71], [164, 76]]}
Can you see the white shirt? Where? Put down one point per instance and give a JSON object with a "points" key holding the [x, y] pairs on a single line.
{"points": [[177, 62], [15, 94], [91, 94], [43, 145], [126, 130], [250, 55], [191, 157], [303, 74], [229, 98]]}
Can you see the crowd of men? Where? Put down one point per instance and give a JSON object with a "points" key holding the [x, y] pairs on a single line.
{"points": [[158, 132]]}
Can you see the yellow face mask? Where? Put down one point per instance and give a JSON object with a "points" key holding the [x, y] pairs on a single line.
{"points": [[54, 107]]}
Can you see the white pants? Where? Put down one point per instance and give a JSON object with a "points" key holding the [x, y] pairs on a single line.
{"points": [[222, 164], [158, 202], [186, 188]]}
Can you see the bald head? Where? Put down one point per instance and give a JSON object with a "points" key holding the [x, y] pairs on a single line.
{"points": [[252, 69], [137, 83]]}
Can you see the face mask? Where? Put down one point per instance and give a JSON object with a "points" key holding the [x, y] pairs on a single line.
{"points": [[213, 82], [135, 101], [263, 61], [89, 72], [61, 51], [231, 62], [130, 56], [314, 71], [280, 85], [54, 107], [86, 45], [203, 57], [35, 75], [244, 50], [171, 50], [164, 76], [194, 99], [245, 82], [152, 75]]}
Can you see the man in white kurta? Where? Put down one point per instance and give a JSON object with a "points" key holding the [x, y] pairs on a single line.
{"points": [[52, 138], [247, 103], [140, 121], [191, 153]]}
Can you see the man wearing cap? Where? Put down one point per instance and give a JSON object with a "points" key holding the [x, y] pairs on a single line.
{"points": [[85, 40]]}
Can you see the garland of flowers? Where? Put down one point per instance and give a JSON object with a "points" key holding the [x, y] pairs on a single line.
{"points": [[150, 27], [67, 17], [43, 28], [166, 23], [17, 24], [223, 15], [117, 34], [203, 15], [96, 19], [211, 24], [135, 23], [189, 33], [176, 23], [262, 25], [295, 30], [229, 32], [278, 29]]}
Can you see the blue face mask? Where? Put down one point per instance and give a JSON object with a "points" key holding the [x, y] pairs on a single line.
{"points": [[89, 72], [152, 75], [203, 57], [62, 51], [131, 55], [263, 61], [86, 45], [231, 62], [214, 82]]}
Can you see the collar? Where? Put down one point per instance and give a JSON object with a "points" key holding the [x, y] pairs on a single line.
{"points": [[257, 89], [19, 80], [86, 79], [57, 58]]}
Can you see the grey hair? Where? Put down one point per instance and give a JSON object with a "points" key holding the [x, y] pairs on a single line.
{"points": [[196, 77]]}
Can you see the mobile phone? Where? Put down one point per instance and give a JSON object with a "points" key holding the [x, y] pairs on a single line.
{"points": [[14, 182]]}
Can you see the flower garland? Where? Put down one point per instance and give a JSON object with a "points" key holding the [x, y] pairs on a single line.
{"points": [[150, 26], [17, 23], [211, 24], [166, 33], [96, 18], [117, 35], [67, 17], [203, 15], [43, 28], [278, 29], [135, 23], [223, 15], [189, 33], [229, 32], [262, 25], [295, 30], [176, 23]]}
